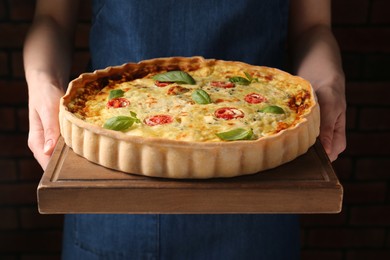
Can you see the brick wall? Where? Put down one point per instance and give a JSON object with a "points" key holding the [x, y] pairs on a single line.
{"points": [[24, 233], [360, 231]]}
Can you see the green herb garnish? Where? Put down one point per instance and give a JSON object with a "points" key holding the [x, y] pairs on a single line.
{"points": [[240, 80], [236, 134], [243, 81], [115, 94], [121, 123], [273, 110], [201, 97], [176, 76], [250, 78]]}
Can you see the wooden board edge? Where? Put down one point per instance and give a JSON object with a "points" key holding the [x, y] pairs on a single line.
{"points": [[200, 202]]}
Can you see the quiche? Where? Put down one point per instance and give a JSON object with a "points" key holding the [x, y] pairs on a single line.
{"points": [[189, 117]]}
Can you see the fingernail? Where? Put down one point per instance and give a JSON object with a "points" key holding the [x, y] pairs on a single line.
{"points": [[48, 146]]}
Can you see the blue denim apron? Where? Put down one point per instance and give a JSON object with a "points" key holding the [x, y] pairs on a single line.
{"points": [[129, 31]]}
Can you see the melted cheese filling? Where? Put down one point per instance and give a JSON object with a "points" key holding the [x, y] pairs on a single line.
{"points": [[192, 121]]}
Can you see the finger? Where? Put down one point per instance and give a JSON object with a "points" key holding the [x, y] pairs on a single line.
{"points": [[51, 135], [36, 142], [326, 132], [339, 142], [51, 129], [36, 139], [333, 136], [326, 142]]}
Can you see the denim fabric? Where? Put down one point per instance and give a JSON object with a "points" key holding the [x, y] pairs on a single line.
{"points": [[177, 237], [252, 31]]}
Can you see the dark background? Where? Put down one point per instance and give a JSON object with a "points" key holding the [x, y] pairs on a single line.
{"points": [[360, 231]]}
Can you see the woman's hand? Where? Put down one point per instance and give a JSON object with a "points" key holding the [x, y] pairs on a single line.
{"points": [[316, 57], [47, 61], [331, 99], [44, 126]]}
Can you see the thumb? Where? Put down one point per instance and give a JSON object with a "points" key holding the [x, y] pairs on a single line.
{"points": [[51, 137], [51, 131], [326, 141], [326, 133]]}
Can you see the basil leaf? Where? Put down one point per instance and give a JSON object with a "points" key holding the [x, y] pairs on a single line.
{"points": [[236, 134], [273, 110], [119, 123], [176, 76], [243, 81], [250, 78], [115, 94], [201, 97], [240, 80], [134, 116]]}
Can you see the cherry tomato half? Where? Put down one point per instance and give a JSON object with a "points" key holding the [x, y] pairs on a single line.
{"points": [[222, 84], [162, 84], [254, 98], [228, 113], [158, 120], [118, 102], [177, 90]]}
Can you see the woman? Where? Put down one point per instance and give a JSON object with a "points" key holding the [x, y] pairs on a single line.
{"points": [[256, 32]]}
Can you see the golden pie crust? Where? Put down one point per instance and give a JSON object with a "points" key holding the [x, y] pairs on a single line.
{"points": [[166, 158]]}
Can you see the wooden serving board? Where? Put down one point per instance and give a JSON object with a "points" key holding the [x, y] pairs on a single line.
{"points": [[71, 184]]}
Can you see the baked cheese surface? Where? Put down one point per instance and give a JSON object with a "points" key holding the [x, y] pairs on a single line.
{"points": [[224, 99]]}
